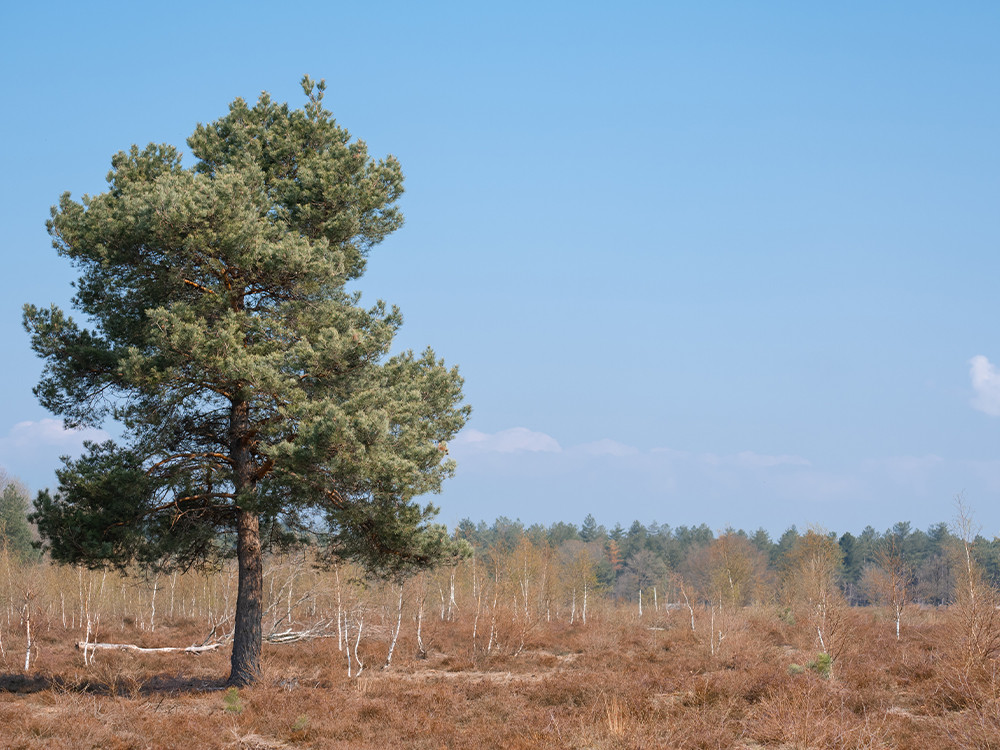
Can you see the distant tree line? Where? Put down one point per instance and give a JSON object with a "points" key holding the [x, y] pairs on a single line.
{"points": [[733, 564], [751, 564]]}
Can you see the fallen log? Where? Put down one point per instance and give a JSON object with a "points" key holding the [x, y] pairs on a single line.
{"points": [[81, 645], [319, 630]]}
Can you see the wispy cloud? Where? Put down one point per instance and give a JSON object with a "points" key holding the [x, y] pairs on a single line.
{"points": [[751, 460], [606, 447], [986, 384], [742, 460], [513, 440], [527, 471], [48, 432], [914, 473], [31, 449], [523, 440]]}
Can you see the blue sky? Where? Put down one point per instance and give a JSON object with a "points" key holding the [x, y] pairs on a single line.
{"points": [[728, 263]]}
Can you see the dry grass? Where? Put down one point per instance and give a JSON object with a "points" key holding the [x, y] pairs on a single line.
{"points": [[617, 682]]}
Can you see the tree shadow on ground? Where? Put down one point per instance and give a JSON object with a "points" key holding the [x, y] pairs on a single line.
{"points": [[154, 685]]}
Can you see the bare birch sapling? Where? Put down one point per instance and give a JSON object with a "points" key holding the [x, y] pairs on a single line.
{"points": [[395, 633]]}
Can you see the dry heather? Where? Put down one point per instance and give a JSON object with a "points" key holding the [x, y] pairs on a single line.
{"points": [[486, 657], [616, 682]]}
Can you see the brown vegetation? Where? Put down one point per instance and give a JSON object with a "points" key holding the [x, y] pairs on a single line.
{"points": [[504, 659]]}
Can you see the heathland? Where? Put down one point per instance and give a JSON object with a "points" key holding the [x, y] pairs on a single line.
{"points": [[559, 637]]}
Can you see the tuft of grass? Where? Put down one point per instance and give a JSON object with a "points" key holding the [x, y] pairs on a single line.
{"points": [[232, 701], [300, 729], [614, 713]]}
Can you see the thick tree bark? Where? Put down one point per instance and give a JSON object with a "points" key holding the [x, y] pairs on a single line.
{"points": [[245, 664], [247, 635]]}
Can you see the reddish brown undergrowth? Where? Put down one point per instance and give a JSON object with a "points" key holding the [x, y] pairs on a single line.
{"points": [[486, 657], [617, 682]]}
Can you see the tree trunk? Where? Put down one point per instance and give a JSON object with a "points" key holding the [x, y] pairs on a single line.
{"points": [[395, 634], [245, 669]]}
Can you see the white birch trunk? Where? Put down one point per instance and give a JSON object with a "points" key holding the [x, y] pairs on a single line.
{"points": [[348, 649], [340, 632], [395, 635], [452, 604], [152, 605], [479, 608], [173, 585], [27, 631], [711, 633], [493, 617], [421, 651], [687, 603], [357, 642], [86, 640]]}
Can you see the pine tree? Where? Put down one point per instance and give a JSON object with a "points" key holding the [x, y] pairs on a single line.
{"points": [[590, 531], [256, 395], [15, 531]]}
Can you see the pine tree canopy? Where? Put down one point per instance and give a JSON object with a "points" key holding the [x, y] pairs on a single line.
{"points": [[249, 382]]}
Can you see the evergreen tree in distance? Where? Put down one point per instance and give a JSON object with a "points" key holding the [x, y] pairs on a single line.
{"points": [[255, 394], [15, 531]]}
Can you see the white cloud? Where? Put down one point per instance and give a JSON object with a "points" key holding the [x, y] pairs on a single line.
{"points": [[751, 460], [606, 447], [523, 440], [986, 384], [512, 440], [49, 432], [30, 450], [742, 460], [672, 453], [522, 472], [907, 465], [911, 472]]}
